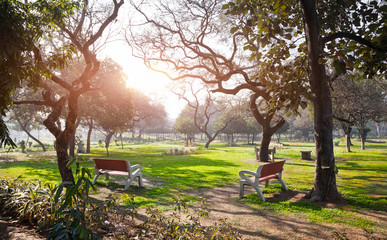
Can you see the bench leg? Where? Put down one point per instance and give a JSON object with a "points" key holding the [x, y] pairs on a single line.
{"points": [[257, 189], [128, 184], [95, 178], [283, 184], [282, 181], [266, 183], [140, 181], [241, 189], [259, 192]]}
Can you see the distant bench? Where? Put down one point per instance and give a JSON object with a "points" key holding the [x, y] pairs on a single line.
{"points": [[117, 167], [306, 155], [264, 173], [270, 152]]}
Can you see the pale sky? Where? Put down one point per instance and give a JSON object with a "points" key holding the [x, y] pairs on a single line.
{"points": [[152, 83]]}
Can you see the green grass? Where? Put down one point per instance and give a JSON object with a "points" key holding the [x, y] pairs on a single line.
{"points": [[361, 178]]}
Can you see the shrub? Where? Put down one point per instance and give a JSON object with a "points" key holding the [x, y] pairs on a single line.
{"points": [[65, 211]]}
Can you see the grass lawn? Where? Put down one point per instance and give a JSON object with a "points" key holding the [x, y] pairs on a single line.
{"points": [[361, 177]]}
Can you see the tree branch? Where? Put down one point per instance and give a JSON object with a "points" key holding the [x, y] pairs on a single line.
{"points": [[354, 37]]}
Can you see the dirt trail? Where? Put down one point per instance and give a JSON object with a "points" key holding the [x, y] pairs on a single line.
{"points": [[224, 203]]}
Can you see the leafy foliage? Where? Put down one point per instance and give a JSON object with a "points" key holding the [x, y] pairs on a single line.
{"points": [[65, 211]]}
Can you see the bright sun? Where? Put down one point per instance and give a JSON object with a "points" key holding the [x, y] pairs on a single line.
{"points": [[152, 83]]}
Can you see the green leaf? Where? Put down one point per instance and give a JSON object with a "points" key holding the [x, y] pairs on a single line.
{"points": [[234, 29], [340, 67]]}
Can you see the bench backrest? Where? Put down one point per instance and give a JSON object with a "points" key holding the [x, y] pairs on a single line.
{"points": [[112, 164], [271, 168]]}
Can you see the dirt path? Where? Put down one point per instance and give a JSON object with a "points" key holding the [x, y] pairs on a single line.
{"points": [[224, 203], [10, 230]]}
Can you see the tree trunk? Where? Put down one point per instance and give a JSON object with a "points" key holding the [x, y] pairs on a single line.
{"points": [[72, 140], [72, 145], [348, 142], [264, 148], [122, 144], [89, 136], [30, 135], [362, 138], [347, 133], [209, 141], [107, 142], [63, 159], [324, 188], [37, 140]]}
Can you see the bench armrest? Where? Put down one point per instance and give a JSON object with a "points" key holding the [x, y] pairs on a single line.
{"points": [[243, 173], [136, 166]]}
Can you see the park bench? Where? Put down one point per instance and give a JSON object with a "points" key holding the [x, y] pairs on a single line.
{"points": [[264, 173], [270, 152], [117, 167]]}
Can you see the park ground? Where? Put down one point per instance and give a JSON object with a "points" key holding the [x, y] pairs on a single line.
{"points": [[213, 174]]}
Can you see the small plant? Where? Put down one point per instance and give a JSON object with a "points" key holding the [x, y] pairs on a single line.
{"points": [[340, 235]]}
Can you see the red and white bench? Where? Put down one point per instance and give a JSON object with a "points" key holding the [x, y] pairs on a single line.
{"points": [[117, 167], [264, 173]]}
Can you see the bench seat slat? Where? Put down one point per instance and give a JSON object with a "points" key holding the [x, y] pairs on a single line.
{"points": [[113, 172], [263, 179]]}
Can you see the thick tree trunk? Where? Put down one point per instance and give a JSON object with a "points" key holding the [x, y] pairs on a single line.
{"points": [[324, 188], [72, 146], [264, 148], [63, 159]]}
